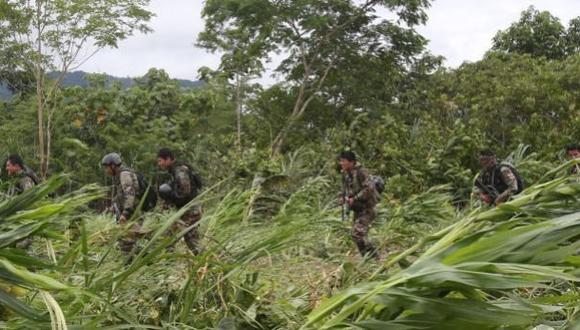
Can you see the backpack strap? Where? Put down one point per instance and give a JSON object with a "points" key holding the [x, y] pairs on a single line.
{"points": [[29, 173], [516, 174]]}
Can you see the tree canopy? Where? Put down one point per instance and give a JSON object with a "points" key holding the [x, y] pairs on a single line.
{"points": [[539, 33]]}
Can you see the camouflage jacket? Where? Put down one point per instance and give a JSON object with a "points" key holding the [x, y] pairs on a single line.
{"points": [[357, 184], [183, 189], [126, 191], [22, 182], [503, 185]]}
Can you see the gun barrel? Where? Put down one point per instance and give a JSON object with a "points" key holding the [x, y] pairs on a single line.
{"points": [[117, 212], [486, 189]]}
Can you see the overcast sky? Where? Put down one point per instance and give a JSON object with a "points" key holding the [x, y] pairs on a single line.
{"points": [[460, 30]]}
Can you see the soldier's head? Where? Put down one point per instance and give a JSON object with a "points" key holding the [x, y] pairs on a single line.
{"points": [[347, 160], [573, 151], [111, 163], [14, 164], [487, 158], [165, 158]]}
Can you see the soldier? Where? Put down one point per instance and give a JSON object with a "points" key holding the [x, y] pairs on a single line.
{"points": [[573, 152], [24, 176], [183, 187], [361, 196], [497, 182], [24, 179], [125, 194]]}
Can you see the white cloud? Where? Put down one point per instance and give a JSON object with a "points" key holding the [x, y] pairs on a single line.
{"points": [[170, 46], [460, 30]]}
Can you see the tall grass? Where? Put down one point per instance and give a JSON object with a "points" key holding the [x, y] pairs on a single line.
{"points": [[514, 266], [477, 272]]}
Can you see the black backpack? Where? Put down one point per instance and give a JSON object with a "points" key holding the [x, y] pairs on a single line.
{"points": [[379, 183], [194, 178], [151, 199], [27, 171], [519, 178]]}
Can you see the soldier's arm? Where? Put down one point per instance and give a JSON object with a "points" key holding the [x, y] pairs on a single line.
{"points": [[480, 193], [183, 182], [25, 184], [368, 187], [129, 194], [510, 180], [476, 186]]}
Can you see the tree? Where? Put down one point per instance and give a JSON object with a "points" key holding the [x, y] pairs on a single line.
{"points": [[161, 91], [238, 63], [11, 71], [538, 33], [60, 35], [316, 39], [573, 36]]}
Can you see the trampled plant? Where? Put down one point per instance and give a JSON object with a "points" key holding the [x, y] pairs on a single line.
{"points": [[165, 289], [31, 215], [482, 272]]}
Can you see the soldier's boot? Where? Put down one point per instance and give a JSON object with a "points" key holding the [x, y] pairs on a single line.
{"points": [[24, 244], [191, 239], [371, 251], [367, 250], [126, 245], [362, 247]]}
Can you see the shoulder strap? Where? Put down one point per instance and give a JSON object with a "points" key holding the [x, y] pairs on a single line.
{"points": [[360, 176], [516, 174], [194, 178], [139, 176], [26, 171]]}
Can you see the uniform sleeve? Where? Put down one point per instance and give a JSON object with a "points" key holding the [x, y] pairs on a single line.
{"points": [[25, 184], [368, 188], [476, 189], [183, 183], [126, 181], [510, 180]]}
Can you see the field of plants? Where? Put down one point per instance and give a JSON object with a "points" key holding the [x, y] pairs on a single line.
{"points": [[276, 251], [278, 256]]}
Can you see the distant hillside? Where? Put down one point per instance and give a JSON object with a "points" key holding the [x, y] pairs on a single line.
{"points": [[77, 78]]}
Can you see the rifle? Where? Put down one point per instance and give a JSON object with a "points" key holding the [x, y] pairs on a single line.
{"points": [[345, 206], [117, 212], [490, 191]]}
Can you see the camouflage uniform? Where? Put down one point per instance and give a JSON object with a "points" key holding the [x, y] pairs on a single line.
{"points": [[501, 186], [125, 196], [22, 183], [183, 191], [575, 169], [357, 184], [575, 172]]}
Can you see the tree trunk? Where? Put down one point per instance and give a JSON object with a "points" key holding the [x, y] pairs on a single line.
{"points": [[299, 106], [40, 93], [239, 111], [40, 118], [281, 136]]}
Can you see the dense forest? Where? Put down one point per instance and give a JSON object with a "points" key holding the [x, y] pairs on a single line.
{"points": [[276, 251]]}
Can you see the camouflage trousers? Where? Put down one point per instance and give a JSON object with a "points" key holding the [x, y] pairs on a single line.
{"points": [[191, 238], [128, 241], [362, 222]]}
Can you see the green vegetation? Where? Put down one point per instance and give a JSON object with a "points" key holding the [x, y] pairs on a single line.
{"points": [[276, 253]]}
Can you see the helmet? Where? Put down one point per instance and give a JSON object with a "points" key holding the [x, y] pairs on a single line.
{"points": [[111, 159]]}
